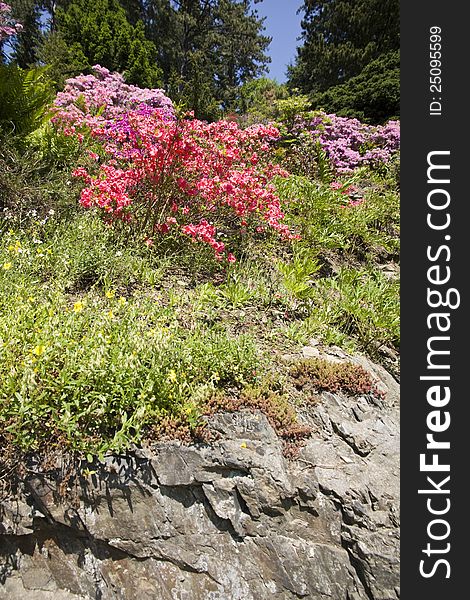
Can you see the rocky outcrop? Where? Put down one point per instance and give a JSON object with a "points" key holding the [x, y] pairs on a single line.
{"points": [[230, 521]]}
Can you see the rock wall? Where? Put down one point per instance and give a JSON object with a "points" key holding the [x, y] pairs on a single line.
{"points": [[233, 521]]}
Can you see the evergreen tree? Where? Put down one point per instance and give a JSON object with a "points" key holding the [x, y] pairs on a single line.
{"points": [[134, 10], [207, 49], [86, 33], [340, 37], [26, 42], [373, 96]]}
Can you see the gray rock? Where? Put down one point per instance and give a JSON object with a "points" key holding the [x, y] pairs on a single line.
{"points": [[235, 520]]}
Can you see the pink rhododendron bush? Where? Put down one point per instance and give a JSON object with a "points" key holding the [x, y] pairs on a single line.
{"points": [[157, 173], [90, 100], [203, 179]]}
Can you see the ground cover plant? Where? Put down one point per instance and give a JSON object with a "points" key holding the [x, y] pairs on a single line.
{"points": [[156, 267]]}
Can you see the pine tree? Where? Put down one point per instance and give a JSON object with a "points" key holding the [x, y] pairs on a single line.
{"points": [[340, 37], [207, 49], [86, 33]]}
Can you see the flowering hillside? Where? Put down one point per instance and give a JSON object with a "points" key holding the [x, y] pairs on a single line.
{"points": [[156, 266]]}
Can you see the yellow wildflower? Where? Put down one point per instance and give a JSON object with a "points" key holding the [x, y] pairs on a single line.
{"points": [[7, 266], [110, 314], [39, 350], [122, 300], [110, 294], [78, 306], [172, 377], [243, 445], [16, 247]]}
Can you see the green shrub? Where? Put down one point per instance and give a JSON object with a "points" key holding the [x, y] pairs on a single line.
{"points": [[89, 355], [328, 225], [25, 96], [373, 96]]}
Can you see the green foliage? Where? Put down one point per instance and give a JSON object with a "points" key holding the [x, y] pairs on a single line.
{"points": [[26, 42], [52, 147], [63, 59], [363, 306], [88, 360], [25, 96], [297, 274], [351, 302], [340, 37], [207, 49], [235, 292], [357, 309], [86, 34], [303, 155], [373, 96], [365, 233], [257, 100], [291, 108]]}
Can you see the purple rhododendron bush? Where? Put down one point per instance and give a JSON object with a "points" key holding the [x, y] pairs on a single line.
{"points": [[347, 143], [350, 144], [155, 266]]}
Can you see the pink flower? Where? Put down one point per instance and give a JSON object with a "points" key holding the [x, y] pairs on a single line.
{"points": [[93, 155], [153, 167]]}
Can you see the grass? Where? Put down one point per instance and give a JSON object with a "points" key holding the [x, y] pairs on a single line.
{"points": [[105, 342]]}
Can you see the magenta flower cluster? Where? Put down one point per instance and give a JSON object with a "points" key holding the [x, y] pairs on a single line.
{"points": [[159, 174], [8, 25], [101, 98], [350, 144]]}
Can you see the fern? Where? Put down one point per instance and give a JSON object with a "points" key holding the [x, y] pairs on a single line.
{"points": [[324, 172], [25, 96]]}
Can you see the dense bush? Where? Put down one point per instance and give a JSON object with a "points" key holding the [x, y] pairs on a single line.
{"points": [[158, 173], [372, 96], [347, 143], [257, 101], [98, 98]]}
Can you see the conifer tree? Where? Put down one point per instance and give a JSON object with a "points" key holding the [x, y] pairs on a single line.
{"points": [[340, 37]]}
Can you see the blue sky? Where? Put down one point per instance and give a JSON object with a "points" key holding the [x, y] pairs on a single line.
{"points": [[283, 25]]}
